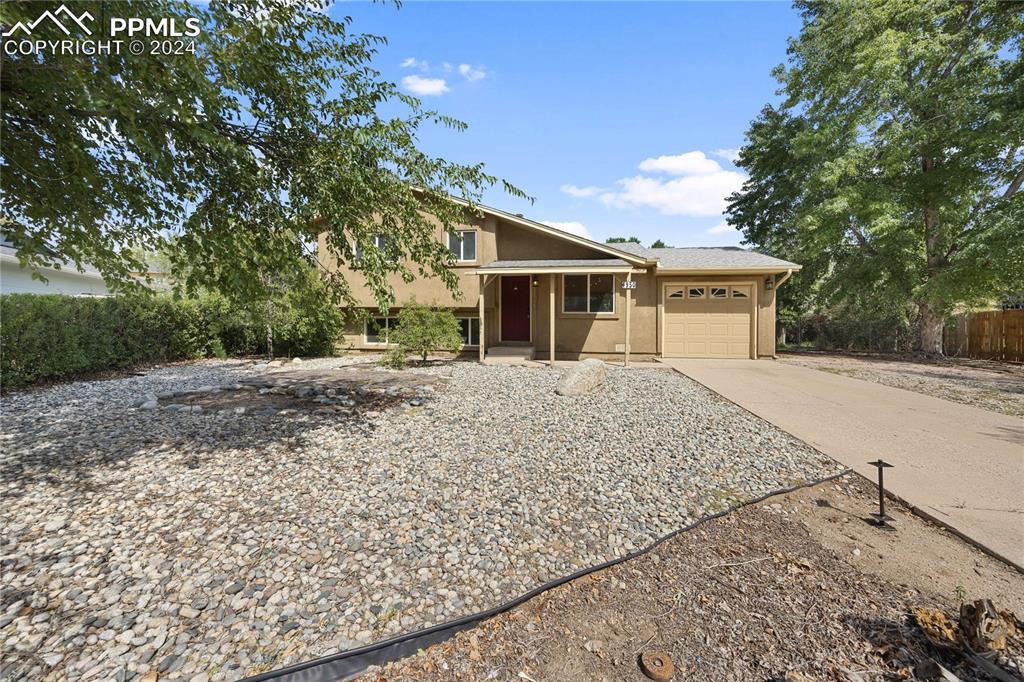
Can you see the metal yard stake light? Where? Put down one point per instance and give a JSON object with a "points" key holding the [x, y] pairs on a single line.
{"points": [[881, 518]]}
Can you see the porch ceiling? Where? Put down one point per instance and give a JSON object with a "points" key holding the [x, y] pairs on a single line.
{"points": [[556, 266]]}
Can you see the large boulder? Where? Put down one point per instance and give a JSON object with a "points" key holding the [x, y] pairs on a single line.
{"points": [[582, 378]]}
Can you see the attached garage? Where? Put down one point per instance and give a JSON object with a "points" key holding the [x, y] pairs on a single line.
{"points": [[709, 320]]}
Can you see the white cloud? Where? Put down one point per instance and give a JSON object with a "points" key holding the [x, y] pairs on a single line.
{"points": [[700, 186], [413, 63], [425, 87], [581, 192], [722, 228], [731, 155], [472, 73], [572, 227], [690, 163], [691, 195], [447, 66]]}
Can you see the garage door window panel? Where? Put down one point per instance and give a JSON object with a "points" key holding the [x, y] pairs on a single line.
{"points": [[719, 292], [741, 292], [695, 292]]}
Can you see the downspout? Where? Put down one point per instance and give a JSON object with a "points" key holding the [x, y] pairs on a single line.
{"points": [[789, 273]]}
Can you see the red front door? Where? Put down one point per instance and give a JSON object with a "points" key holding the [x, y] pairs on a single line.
{"points": [[515, 308]]}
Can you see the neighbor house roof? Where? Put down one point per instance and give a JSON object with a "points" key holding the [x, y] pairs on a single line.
{"points": [[708, 258]]}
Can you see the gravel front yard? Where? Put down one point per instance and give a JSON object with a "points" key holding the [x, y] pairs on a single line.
{"points": [[797, 588], [990, 385], [212, 546]]}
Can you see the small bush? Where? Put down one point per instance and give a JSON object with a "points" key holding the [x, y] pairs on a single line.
{"points": [[393, 358], [422, 330]]}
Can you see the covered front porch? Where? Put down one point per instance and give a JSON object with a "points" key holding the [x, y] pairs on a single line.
{"points": [[538, 309]]}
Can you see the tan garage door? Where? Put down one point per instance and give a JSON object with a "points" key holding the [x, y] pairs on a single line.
{"points": [[707, 321]]}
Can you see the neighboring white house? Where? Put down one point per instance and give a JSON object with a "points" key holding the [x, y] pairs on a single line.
{"points": [[15, 279]]}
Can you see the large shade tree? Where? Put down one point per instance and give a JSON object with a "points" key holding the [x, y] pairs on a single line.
{"points": [[893, 167], [231, 158]]}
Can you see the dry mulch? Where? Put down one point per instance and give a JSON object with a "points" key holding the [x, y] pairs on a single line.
{"points": [[754, 595], [990, 385]]}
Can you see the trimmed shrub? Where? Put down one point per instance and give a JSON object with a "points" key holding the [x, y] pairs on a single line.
{"points": [[421, 330]]}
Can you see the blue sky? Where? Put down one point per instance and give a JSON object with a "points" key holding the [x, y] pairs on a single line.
{"points": [[618, 118]]}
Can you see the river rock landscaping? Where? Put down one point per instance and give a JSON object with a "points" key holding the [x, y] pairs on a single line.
{"points": [[211, 544]]}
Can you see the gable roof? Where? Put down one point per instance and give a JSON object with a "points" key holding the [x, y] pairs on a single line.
{"points": [[517, 219], [709, 258]]}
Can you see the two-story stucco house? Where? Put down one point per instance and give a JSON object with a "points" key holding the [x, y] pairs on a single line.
{"points": [[531, 290]]}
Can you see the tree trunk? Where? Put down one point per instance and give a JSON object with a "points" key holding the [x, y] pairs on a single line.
{"points": [[270, 330], [930, 325]]}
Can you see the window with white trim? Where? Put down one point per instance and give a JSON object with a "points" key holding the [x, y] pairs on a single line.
{"points": [[678, 293], [375, 329], [469, 328], [741, 292], [588, 294], [695, 292], [719, 292], [462, 244], [380, 241]]}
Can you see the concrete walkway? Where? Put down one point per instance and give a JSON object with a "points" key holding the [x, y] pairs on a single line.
{"points": [[960, 464]]}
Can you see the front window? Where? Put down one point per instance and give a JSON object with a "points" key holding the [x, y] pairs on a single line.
{"points": [[588, 293], [376, 329], [469, 328], [462, 244]]}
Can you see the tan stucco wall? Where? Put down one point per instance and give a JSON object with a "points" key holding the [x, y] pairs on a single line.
{"points": [[576, 335], [429, 290]]}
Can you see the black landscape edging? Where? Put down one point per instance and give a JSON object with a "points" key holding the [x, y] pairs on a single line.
{"points": [[348, 664]]}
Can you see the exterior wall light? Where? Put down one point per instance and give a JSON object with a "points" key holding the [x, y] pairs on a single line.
{"points": [[769, 283]]}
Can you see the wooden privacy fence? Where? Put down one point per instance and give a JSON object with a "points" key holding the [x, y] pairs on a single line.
{"points": [[992, 335]]}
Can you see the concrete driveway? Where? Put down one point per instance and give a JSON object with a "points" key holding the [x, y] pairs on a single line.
{"points": [[962, 465]]}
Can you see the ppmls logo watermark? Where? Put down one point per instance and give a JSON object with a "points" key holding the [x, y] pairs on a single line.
{"points": [[68, 15], [133, 35]]}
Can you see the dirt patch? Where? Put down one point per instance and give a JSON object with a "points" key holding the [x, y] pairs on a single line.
{"points": [[799, 587], [994, 386]]}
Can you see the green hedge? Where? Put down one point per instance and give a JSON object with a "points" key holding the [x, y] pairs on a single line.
{"points": [[45, 337]]}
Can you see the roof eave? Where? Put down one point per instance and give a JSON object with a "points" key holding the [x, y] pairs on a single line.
{"points": [[753, 270]]}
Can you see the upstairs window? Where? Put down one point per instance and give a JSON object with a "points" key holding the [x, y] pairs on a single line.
{"points": [[588, 293], [462, 244], [380, 241]]}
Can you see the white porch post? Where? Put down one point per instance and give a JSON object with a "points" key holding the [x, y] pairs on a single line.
{"points": [[629, 298], [483, 334], [551, 318]]}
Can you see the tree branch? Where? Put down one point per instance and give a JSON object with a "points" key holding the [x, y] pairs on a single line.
{"points": [[1014, 185]]}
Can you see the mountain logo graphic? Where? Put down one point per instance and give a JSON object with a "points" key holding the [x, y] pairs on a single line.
{"points": [[68, 15]]}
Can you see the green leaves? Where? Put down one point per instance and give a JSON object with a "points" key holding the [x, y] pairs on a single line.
{"points": [[238, 156], [423, 330], [889, 170]]}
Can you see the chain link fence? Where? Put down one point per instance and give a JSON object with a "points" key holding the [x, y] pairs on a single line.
{"points": [[819, 332]]}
